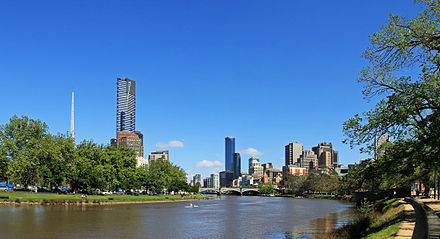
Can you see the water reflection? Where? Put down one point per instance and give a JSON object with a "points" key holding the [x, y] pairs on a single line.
{"points": [[225, 217]]}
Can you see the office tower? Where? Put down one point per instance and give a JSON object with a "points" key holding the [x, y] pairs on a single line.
{"points": [[159, 155], [236, 162], [126, 105], [292, 153], [229, 153], [72, 119], [132, 140], [309, 160], [324, 151]]}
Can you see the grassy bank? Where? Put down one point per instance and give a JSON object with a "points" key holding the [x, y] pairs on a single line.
{"points": [[51, 198], [375, 220]]}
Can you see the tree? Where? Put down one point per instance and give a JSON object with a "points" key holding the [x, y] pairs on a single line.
{"points": [[404, 76], [21, 140], [87, 170], [266, 188], [55, 153], [120, 164], [295, 184], [164, 175]]}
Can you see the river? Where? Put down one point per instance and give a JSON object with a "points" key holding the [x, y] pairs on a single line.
{"points": [[222, 217]]}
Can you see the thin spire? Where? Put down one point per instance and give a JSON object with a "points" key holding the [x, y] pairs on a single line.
{"points": [[72, 119]]}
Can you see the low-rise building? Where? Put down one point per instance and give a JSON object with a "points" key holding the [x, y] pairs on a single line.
{"points": [[159, 155], [294, 170], [273, 175]]}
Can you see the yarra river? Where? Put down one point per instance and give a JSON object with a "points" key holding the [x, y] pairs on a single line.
{"points": [[222, 217]]}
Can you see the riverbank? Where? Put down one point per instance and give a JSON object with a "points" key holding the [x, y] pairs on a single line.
{"points": [[319, 196], [28, 198], [381, 219]]}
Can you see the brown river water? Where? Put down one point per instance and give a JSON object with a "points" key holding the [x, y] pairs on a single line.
{"points": [[222, 217]]}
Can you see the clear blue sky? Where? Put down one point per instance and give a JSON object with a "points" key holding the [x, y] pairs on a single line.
{"points": [[266, 72]]}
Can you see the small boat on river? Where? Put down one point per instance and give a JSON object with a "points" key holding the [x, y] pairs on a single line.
{"points": [[191, 206]]}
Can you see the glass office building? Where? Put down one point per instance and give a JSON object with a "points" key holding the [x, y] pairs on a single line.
{"points": [[229, 153]]}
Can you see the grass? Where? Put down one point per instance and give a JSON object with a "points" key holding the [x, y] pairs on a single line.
{"points": [[70, 198], [375, 221], [387, 232]]}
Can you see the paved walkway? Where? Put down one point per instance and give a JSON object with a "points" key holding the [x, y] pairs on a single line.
{"points": [[406, 228]]}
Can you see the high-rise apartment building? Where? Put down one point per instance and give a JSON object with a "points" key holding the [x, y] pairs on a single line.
{"points": [[229, 153], [126, 105], [293, 152], [215, 181]]}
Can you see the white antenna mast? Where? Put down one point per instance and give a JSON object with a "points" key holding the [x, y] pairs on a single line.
{"points": [[72, 119]]}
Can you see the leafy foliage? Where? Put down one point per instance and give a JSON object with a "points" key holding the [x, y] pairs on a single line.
{"points": [[403, 75], [29, 155]]}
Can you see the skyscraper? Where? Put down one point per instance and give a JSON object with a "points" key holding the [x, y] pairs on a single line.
{"points": [[229, 153], [236, 162], [292, 153], [126, 105]]}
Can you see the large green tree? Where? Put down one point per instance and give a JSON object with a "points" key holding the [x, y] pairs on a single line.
{"points": [[403, 76], [164, 175], [21, 141]]}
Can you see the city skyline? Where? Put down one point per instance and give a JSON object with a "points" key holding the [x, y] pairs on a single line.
{"points": [[267, 75]]}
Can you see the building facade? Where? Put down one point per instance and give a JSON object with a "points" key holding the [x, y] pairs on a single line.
{"points": [[126, 105], [229, 153], [308, 160], [215, 181], [253, 161], [197, 179], [294, 170], [255, 169], [324, 152], [226, 178], [131, 140], [293, 152], [159, 155], [236, 162]]}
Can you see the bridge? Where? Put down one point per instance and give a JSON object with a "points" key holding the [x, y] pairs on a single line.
{"points": [[238, 191]]}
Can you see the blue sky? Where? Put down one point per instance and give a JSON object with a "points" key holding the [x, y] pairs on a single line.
{"points": [[266, 72]]}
